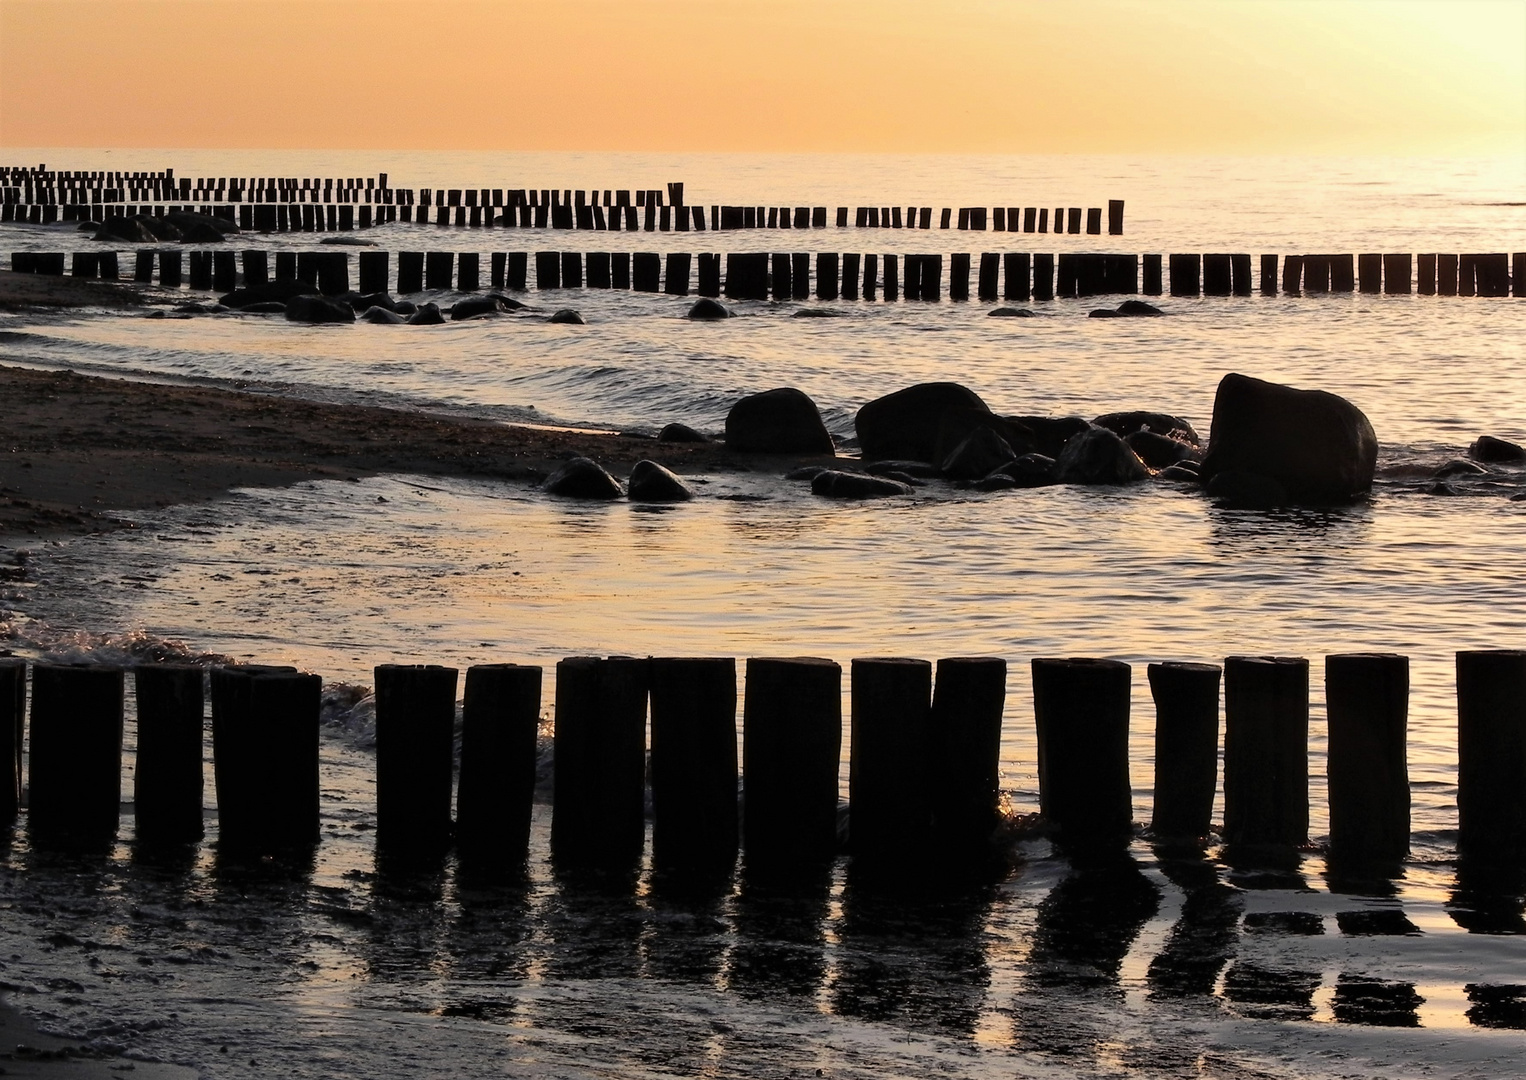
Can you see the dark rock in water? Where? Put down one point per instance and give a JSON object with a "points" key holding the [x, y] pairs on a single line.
{"points": [[921, 469], [1009, 313], [832, 484], [905, 478], [182, 221], [1048, 435], [1319, 447], [268, 307], [806, 472], [997, 481], [1030, 470], [318, 309], [382, 317], [706, 309], [1519, 496], [427, 314], [473, 306], [680, 433], [908, 423], [282, 289], [1191, 465], [816, 313], [650, 482], [1097, 456], [581, 478], [1180, 473], [405, 307], [1247, 491], [364, 301], [201, 232], [1137, 308], [1103, 313], [1488, 448], [202, 309], [981, 453], [1460, 467], [1126, 423], [568, 317], [782, 421], [131, 230], [348, 241], [508, 302], [1157, 451], [162, 227]]}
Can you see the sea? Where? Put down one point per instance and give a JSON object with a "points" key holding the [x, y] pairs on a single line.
{"points": [[1158, 964]]}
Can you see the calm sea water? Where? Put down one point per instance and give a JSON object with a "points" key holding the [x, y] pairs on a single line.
{"points": [[1055, 971]]}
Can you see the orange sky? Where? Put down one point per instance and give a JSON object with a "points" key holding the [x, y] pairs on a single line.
{"points": [[955, 76]]}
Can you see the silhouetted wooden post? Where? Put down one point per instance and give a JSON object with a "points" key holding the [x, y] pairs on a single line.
{"points": [[849, 276], [1342, 273], [598, 810], [1081, 707], [1152, 275], [1186, 747], [286, 265], [572, 270], [1266, 750], [169, 269], [256, 268], [374, 271], [1367, 699], [800, 275], [871, 275], [892, 278], [694, 763], [990, 269], [1043, 276], [1268, 275], [12, 732], [1015, 273], [965, 754], [1216, 276], [439, 267], [1518, 273], [167, 782], [1491, 755], [1094, 221], [333, 273], [468, 271], [1066, 276], [410, 272], [265, 758], [1114, 217], [1239, 274], [516, 274], [224, 271], [1184, 275], [911, 285], [676, 278], [75, 753], [931, 285], [1370, 273], [1397, 273], [791, 745], [709, 274], [108, 266], [500, 722], [620, 270], [826, 275], [1446, 275], [1292, 275], [958, 276], [201, 271], [646, 271], [415, 730], [888, 808]]}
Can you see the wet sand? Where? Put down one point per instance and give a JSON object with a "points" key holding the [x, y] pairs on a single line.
{"points": [[26, 1052], [78, 448], [52, 291]]}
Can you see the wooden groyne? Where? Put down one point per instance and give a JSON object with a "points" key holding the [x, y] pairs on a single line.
{"points": [[1010, 275], [923, 764]]}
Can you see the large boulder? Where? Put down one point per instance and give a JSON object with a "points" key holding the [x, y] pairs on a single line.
{"points": [[782, 421], [582, 478], [1097, 456], [832, 484], [980, 453], [131, 229], [183, 221], [472, 306], [1030, 470], [426, 315], [318, 309], [1489, 448], [381, 316], [1047, 435], [568, 317], [650, 482], [708, 310], [1157, 451], [1318, 447], [677, 432], [910, 422], [1126, 423], [201, 232], [281, 289]]}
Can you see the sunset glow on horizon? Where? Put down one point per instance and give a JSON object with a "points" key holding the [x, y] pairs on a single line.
{"points": [[975, 76]]}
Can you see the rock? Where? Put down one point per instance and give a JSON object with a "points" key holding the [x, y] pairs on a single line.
{"points": [[680, 433], [905, 478], [921, 469], [201, 232], [194, 308], [161, 227], [405, 307], [1179, 473], [268, 307], [131, 230], [1136, 308], [1191, 465], [997, 481], [348, 241], [1048, 434], [908, 423], [426, 315], [832, 484], [816, 313], [706, 309], [473, 306], [1247, 491], [282, 289], [782, 421], [980, 453], [382, 317], [1157, 451], [1030, 470], [650, 482], [1319, 447], [806, 472], [581, 478], [318, 309], [182, 221], [568, 317], [1097, 456], [1488, 448], [1103, 313], [1459, 467], [1009, 313], [365, 301], [1126, 423]]}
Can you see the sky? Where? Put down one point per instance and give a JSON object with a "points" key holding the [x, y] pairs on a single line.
{"points": [[944, 76]]}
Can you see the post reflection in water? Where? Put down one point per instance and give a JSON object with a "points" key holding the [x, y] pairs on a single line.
{"points": [[1204, 937], [405, 935], [594, 924], [488, 946], [780, 923], [1489, 898], [689, 934]]}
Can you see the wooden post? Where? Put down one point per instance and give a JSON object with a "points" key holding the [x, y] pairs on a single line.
{"points": [[374, 271], [1268, 275], [516, 273], [1043, 276], [12, 733], [1066, 276], [572, 270], [1370, 273], [965, 754], [1397, 274], [931, 285], [1239, 274], [410, 272], [143, 269], [1518, 273], [75, 753], [826, 275], [439, 267], [265, 758], [871, 275], [1152, 275], [333, 273], [286, 265], [646, 271], [850, 276], [694, 764], [1030, 219], [415, 729], [1216, 276], [791, 745], [1342, 273], [1292, 275], [1016, 272], [1074, 223], [84, 264], [1367, 701], [800, 275], [1266, 750], [108, 266], [1184, 275], [1491, 755], [887, 773], [1081, 707], [892, 279], [169, 269], [1114, 217], [167, 783], [958, 276], [1186, 747], [469, 271], [709, 274], [1446, 275], [598, 809], [500, 721], [990, 269], [911, 286], [676, 278], [548, 270], [598, 269], [1094, 221]]}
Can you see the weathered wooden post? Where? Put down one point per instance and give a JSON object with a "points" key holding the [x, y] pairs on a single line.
{"points": [[500, 721], [374, 271], [169, 269], [410, 272], [143, 269], [990, 269], [1016, 273], [1268, 275], [1370, 273], [871, 275], [12, 733], [646, 271], [791, 744], [286, 265], [1342, 273], [964, 752], [1186, 747], [548, 270], [694, 764], [709, 274], [572, 270], [415, 729], [1081, 707], [84, 264], [1266, 750], [1152, 276], [1292, 275], [265, 758], [167, 783], [676, 277], [439, 267], [1094, 221], [958, 276], [1184, 275], [888, 808], [1491, 755], [516, 274], [598, 264], [1397, 274], [1216, 276], [800, 275], [1066, 276], [1043, 276], [468, 271], [1239, 274], [600, 765], [333, 273], [1367, 701], [75, 753], [1446, 275], [911, 286], [892, 278], [1518, 273], [826, 275], [850, 276], [1114, 217], [1074, 220], [931, 285], [108, 266]]}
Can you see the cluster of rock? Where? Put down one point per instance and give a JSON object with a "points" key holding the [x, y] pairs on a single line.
{"points": [[176, 227], [584, 478], [302, 302]]}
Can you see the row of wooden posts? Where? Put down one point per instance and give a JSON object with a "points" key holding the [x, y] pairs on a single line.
{"points": [[1017, 276], [923, 765]]}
